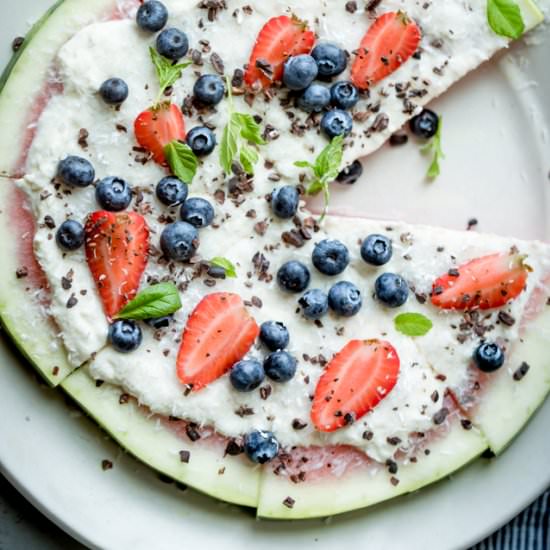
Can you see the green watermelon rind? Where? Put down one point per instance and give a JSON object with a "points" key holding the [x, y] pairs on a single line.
{"points": [[240, 483]]}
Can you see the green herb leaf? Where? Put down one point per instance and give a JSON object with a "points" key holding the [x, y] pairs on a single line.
{"points": [[167, 73], [241, 129], [225, 264], [155, 301], [248, 157], [504, 17], [434, 148], [182, 160], [327, 165], [230, 144], [250, 129], [413, 324], [325, 169]]}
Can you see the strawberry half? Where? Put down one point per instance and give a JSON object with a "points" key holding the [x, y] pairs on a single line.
{"points": [[157, 127], [483, 283], [389, 42], [117, 245], [280, 38], [354, 382], [219, 332]]}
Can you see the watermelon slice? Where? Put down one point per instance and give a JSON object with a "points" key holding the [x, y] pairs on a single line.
{"points": [[132, 426]]}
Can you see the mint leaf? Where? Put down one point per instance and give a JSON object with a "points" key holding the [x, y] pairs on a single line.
{"points": [[240, 131], [182, 160], [230, 144], [250, 129], [434, 148], [248, 158], [325, 169], [225, 264], [327, 165], [504, 17], [155, 301], [167, 73], [413, 324]]}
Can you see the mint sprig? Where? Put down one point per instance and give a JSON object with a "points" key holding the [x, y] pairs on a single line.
{"points": [[434, 148], [240, 133], [182, 160], [167, 73], [155, 301], [504, 17], [226, 265], [325, 170], [413, 324]]}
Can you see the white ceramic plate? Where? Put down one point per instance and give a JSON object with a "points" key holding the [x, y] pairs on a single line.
{"points": [[496, 171]]}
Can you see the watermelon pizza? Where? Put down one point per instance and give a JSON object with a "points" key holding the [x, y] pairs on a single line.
{"points": [[176, 283]]}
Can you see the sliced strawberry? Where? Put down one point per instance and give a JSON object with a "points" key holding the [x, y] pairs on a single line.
{"points": [[157, 127], [117, 245], [389, 42], [280, 38], [354, 382], [483, 283], [219, 332]]}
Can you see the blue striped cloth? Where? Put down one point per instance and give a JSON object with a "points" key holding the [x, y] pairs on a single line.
{"points": [[528, 531]]}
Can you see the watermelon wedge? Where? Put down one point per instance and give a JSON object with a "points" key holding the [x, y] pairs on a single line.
{"points": [[30, 291]]}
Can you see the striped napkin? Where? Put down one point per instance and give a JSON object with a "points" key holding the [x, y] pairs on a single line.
{"points": [[528, 531]]}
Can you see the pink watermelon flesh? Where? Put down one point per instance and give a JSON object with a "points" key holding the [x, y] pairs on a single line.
{"points": [[300, 463]]}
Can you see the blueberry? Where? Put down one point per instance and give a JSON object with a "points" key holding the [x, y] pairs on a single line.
{"points": [[246, 375], [284, 201], [198, 212], [299, 72], [113, 194], [293, 276], [425, 124], [351, 173], [172, 44], [76, 171], [331, 60], [336, 123], [125, 335], [376, 250], [201, 140], [179, 241], [114, 91], [70, 235], [330, 257], [152, 16], [171, 191], [314, 304], [209, 89], [280, 366], [160, 322], [344, 298], [488, 357], [391, 289], [344, 95], [314, 98], [261, 446], [274, 335]]}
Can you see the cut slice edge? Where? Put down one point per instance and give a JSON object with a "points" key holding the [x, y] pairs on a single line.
{"points": [[508, 404], [228, 478], [280, 498]]}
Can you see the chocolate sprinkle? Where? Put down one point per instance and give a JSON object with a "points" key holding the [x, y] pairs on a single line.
{"points": [[184, 456], [106, 465], [289, 502], [521, 371]]}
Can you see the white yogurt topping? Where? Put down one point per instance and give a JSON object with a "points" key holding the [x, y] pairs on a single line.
{"points": [[455, 40]]}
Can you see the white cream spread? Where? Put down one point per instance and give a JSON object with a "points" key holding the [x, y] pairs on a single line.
{"points": [[456, 39]]}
